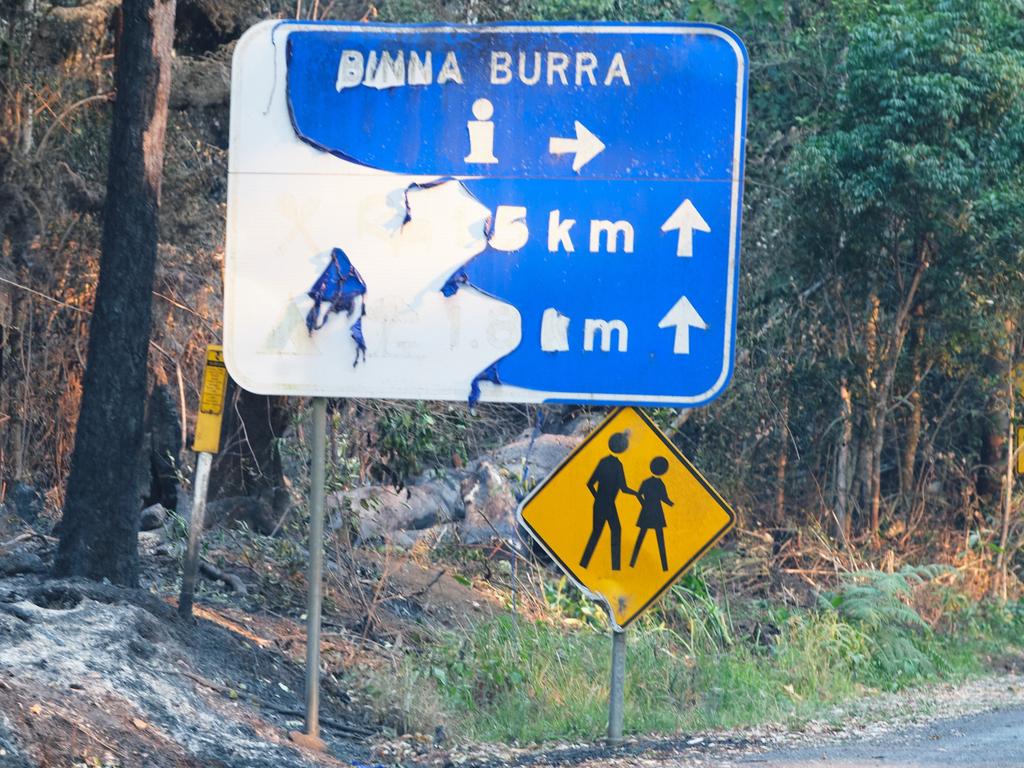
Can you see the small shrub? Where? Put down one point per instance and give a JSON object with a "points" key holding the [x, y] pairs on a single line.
{"points": [[881, 604]]}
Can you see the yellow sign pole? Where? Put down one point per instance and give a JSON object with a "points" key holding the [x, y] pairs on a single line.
{"points": [[206, 443]]}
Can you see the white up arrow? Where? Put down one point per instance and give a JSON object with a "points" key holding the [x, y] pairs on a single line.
{"points": [[682, 317], [686, 219], [586, 146]]}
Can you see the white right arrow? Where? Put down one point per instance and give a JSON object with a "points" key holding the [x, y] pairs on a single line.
{"points": [[686, 219], [586, 146], [682, 317]]}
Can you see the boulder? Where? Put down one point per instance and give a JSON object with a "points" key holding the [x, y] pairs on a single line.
{"points": [[152, 517], [255, 513], [383, 509], [201, 81], [490, 505], [25, 501], [478, 502], [21, 562], [583, 424], [541, 458]]}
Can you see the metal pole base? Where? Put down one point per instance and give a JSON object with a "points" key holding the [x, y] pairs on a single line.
{"points": [[616, 697], [316, 554]]}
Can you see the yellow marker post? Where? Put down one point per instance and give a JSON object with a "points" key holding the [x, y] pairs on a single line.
{"points": [[206, 443], [625, 515], [1020, 453], [211, 401]]}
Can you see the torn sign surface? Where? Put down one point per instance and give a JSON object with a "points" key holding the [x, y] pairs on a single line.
{"points": [[339, 289], [413, 335]]}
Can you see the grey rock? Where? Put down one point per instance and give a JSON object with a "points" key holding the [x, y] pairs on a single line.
{"points": [[255, 513], [541, 455], [478, 502], [431, 536], [378, 510], [26, 501], [490, 505], [21, 562], [583, 425], [151, 541], [498, 482], [201, 81], [153, 517]]}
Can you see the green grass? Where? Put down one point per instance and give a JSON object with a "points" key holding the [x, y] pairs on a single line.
{"points": [[689, 669]]}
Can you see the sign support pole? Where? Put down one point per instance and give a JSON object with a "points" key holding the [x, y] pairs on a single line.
{"points": [[616, 697], [195, 530], [316, 554]]}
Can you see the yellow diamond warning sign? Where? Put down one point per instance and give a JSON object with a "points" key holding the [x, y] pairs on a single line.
{"points": [[626, 514]]}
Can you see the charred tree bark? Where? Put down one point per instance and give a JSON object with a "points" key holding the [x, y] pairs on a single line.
{"points": [[994, 431], [782, 463], [249, 463], [782, 452], [99, 529], [876, 445]]}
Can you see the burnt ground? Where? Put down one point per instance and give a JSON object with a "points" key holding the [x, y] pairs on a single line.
{"points": [[96, 675], [94, 672]]}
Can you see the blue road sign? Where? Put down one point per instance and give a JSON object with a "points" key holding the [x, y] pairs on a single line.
{"points": [[611, 157]]}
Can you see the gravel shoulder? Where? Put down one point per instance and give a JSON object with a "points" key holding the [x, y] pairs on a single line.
{"points": [[978, 722], [991, 739]]}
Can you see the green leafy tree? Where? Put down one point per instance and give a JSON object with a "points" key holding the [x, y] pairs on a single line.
{"points": [[909, 203]]}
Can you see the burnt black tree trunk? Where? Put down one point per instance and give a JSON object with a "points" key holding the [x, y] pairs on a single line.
{"points": [[249, 463], [98, 533]]}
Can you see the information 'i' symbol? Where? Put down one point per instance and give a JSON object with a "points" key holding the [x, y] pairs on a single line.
{"points": [[481, 133]]}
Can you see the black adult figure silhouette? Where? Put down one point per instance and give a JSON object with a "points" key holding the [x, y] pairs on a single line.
{"points": [[652, 495], [608, 479]]}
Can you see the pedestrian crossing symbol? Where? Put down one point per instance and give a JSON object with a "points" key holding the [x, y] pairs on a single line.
{"points": [[626, 514]]}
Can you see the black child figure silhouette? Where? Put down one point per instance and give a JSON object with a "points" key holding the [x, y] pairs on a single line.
{"points": [[608, 479], [652, 495]]}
